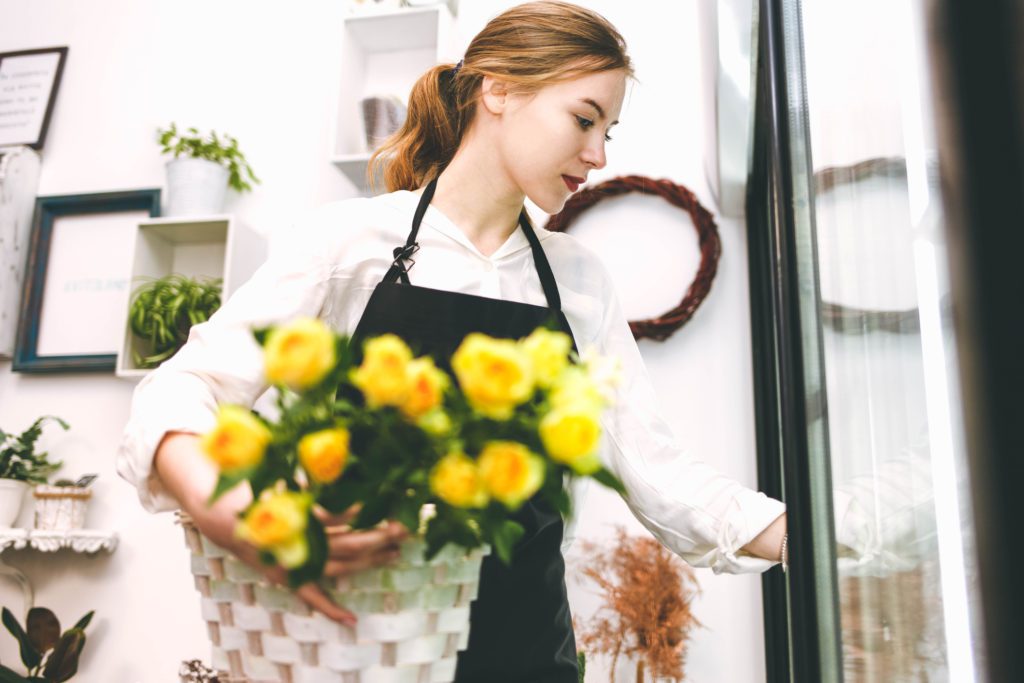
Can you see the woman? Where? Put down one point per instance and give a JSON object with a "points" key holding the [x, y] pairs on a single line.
{"points": [[526, 113]]}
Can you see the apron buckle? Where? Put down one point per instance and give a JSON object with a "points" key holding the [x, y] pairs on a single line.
{"points": [[405, 254]]}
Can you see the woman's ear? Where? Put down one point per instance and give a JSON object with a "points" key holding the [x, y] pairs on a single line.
{"points": [[493, 94]]}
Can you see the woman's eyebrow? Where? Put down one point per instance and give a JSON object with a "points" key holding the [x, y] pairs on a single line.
{"points": [[595, 105]]}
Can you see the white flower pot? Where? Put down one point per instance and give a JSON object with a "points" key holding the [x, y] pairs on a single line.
{"points": [[195, 187], [60, 508], [413, 618], [12, 492]]}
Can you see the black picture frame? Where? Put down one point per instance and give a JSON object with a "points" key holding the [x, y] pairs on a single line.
{"points": [[27, 356], [10, 104]]}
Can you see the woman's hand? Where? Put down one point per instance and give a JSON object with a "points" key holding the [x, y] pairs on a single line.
{"points": [[190, 477]]}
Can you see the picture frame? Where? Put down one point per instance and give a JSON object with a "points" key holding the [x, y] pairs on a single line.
{"points": [[77, 279], [29, 81]]}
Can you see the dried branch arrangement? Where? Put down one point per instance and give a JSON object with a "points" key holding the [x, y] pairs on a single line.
{"points": [[646, 614]]}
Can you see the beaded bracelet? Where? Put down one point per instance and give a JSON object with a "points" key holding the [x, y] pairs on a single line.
{"points": [[783, 557]]}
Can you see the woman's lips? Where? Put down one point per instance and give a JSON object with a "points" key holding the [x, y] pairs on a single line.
{"points": [[571, 183]]}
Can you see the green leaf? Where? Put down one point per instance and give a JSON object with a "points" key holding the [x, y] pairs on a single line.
{"points": [[506, 536], [84, 621], [30, 657], [62, 663], [226, 482], [560, 499], [313, 567], [10, 676], [610, 480], [43, 628], [261, 335]]}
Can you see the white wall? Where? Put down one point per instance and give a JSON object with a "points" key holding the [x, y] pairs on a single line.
{"points": [[267, 74]]}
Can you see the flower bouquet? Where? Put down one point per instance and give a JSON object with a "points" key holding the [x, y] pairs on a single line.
{"points": [[452, 457]]}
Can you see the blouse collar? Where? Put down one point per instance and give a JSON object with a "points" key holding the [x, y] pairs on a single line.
{"points": [[437, 220]]}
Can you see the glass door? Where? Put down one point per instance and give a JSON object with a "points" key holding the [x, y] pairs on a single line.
{"points": [[860, 417]]}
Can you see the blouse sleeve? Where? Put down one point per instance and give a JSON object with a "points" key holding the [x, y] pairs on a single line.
{"points": [[694, 510], [221, 361]]}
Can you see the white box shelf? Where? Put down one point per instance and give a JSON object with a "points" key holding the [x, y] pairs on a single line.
{"points": [[383, 54], [208, 246]]}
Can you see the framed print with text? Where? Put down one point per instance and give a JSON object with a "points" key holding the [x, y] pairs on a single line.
{"points": [[29, 80], [76, 279]]}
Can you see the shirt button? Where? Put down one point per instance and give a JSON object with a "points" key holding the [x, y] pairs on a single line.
{"points": [[488, 267]]}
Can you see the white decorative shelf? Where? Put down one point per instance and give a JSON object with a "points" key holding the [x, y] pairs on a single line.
{"points": [[383, 54], [86, 541], [78, 540]]}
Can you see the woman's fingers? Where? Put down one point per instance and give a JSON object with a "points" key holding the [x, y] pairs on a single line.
{"points": [[347, 545], [335, 568], [329, 519], [315, 596]]}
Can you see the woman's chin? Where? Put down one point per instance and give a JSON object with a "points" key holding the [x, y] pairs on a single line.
{"points": [[550, 205]]}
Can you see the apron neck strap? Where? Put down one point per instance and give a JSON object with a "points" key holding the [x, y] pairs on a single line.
{"points": [[399, 269]]}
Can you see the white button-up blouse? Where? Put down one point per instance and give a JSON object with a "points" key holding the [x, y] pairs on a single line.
{"points": [[329, 266]]}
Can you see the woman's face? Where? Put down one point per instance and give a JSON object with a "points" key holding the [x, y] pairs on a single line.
{"points": [[559, 132]]}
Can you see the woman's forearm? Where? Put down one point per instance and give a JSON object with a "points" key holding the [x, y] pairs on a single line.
{"points": [[768, 543]]}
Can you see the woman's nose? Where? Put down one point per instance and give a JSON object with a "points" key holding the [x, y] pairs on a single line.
{"points": [[594, 156]]}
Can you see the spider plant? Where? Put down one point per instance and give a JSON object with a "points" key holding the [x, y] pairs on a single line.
{"points": [[163, 310]]}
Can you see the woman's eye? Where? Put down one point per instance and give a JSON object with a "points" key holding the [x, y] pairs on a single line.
{"points": [[587, 123]]}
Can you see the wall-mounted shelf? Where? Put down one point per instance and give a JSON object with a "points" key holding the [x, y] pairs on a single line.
{"points": [[214, 246], [383, 54], [85, 541]]}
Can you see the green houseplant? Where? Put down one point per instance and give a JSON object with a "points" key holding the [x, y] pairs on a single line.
{"points": [[21, 465], [47, 654], [163, 310], [202, 169]]}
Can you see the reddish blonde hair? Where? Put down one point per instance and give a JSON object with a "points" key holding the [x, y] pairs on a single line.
{"points": [[528, 47]]}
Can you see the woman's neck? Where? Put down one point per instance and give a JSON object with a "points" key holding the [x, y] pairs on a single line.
{"points": [[474, 193]]}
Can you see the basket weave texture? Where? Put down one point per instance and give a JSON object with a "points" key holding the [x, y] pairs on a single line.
{"points": [[413, 618], [60, 508]]}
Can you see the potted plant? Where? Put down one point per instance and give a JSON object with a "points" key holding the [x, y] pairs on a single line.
{"points": [[20, 466], [646, 615], [47, 654], [61, 506], [202, 169], [163, 310]]}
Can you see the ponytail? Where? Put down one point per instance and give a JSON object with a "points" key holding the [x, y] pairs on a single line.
{"points": [[428, 139]]}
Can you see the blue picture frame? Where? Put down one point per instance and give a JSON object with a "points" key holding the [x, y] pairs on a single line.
{"points": [[26, 356]]}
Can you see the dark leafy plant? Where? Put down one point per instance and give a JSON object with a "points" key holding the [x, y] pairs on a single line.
{"points": [[18, 459], [212, 148], [163, 310], [48, 655]]}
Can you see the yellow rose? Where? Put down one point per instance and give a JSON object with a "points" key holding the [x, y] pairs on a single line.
{"points": [[300, 354], [571, 435], [494, 374], [384, 375], [435, 422], [456, 480], [575, 387], [323, 454], [548, 352], [426, 387], [510, 472], [238, 440], [277, 523]]}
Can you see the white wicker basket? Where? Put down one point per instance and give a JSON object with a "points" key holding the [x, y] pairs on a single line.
{"points": [[60, 508], [413, 618]]}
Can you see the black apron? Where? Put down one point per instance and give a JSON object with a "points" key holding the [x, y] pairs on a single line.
{"points": [[520, 629]]}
